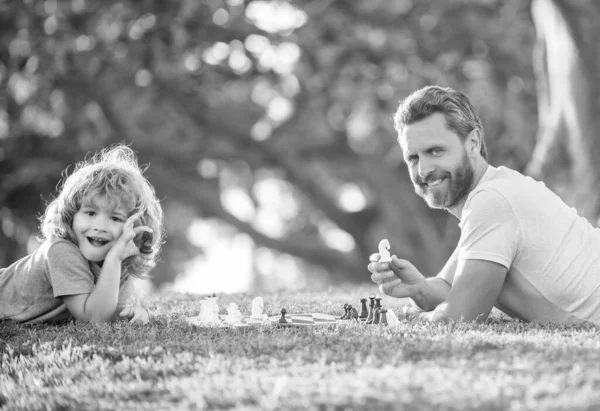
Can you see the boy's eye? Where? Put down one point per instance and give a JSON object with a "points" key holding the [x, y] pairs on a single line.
{"points": [[90, 213], [118, 219]]}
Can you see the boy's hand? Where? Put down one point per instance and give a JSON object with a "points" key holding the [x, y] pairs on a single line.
{"points": [[135, 314], [125, 246]]}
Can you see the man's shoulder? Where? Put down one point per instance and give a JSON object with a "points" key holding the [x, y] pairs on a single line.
{"points": [[507, 183]]}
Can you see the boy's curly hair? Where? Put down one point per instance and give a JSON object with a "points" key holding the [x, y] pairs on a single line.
{"points": [[113, 172]]}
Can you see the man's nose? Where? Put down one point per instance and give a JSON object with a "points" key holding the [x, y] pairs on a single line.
{"points": [[425, 167]]}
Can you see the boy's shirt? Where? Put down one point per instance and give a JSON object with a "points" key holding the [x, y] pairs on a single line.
{"points": [[32, 288]]}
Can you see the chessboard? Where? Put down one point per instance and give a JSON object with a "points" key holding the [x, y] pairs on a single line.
{"points": [[292, 320]]}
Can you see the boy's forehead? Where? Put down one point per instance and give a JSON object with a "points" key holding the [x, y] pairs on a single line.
{"points": [[102, 201]]}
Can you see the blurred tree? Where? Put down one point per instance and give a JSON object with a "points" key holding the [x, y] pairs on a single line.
{"points": [[567, 61], [272, 117]]}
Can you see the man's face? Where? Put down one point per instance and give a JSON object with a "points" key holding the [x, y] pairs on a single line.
{"points": [[97, 226], [437, 160]]}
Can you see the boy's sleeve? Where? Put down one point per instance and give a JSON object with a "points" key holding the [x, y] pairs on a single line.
{"points": [[489, 229], [68, 271]]}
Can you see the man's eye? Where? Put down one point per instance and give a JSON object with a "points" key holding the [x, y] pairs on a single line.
{"points": [[412, 160], [437, 151]]}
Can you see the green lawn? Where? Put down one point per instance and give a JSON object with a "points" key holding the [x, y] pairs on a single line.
{"points": [[168, 364]]}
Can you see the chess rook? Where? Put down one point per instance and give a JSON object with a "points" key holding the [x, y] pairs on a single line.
{"points": [[364, 312], [371, 305], [383, 316]]}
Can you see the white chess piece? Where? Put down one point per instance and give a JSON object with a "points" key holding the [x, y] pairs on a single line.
{"points": [[234, 316], [384, 254], [257, 308], [391, 318]]}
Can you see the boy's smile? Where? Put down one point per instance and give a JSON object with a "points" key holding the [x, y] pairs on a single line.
{"points": [[97, 225]]}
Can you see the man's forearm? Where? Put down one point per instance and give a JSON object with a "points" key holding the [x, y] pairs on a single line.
{"points": [[102, 301], [434, 292]]}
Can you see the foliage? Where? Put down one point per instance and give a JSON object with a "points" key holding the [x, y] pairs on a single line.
{"points": [[168, 364], [271, 117]]}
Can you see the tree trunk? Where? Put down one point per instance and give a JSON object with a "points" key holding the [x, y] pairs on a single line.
{"points": [[567, 61]]}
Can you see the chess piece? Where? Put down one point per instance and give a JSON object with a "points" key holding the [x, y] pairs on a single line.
{"points": [[257, 308], [146, 243], [353, 314], [384, 254], [213, 310], [377, 310], [345, 315], [391, 317], [383, 316], [234, 316], [283, 320], [364, 312], [349, 311], [371, 305]]}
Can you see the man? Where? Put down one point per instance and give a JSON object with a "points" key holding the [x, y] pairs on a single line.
{"points": [[521, 249]]}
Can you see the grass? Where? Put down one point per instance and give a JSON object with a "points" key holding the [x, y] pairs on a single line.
{"points": [[168, 364]]}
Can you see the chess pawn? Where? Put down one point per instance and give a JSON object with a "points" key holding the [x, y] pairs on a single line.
{"points": [[283, 320], [383, 316], [371, 305], [364, 312]]}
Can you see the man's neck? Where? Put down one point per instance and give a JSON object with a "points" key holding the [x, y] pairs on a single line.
{"points": [[480, 169]]}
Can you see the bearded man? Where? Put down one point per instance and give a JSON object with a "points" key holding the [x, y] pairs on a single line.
{"points": [[521, 249]]}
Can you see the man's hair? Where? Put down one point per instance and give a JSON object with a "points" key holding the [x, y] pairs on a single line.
{"points": [[456, 107], [114, 173]]}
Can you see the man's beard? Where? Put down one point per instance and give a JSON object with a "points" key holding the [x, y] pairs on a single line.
{"points": [[459, 185]]}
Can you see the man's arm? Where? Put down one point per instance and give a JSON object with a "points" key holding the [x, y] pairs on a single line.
{"points": [[436, 289], [474, 292]]}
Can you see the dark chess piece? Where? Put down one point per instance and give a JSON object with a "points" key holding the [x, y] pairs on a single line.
{"points": [[364, 312], [383, 316], [371, 305], [378, 302], [349, 316], [376, 314], [345, 315], [146, 243], [353, 314], [283, 320]]}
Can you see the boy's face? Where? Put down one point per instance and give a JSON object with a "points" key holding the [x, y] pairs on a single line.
{"points": [[97, 225]]}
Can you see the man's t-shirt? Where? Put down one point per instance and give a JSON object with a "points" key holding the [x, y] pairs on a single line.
{"points": [[551, 253], [32, 288]]}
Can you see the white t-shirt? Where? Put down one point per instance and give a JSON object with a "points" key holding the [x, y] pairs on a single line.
{"points": [[551, 253]]}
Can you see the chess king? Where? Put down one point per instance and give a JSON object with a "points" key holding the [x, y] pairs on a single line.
{"points": [[521, 248]]}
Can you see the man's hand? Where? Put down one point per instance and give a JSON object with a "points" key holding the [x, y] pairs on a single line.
{"points": [[398, 278], [135, 314]]}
